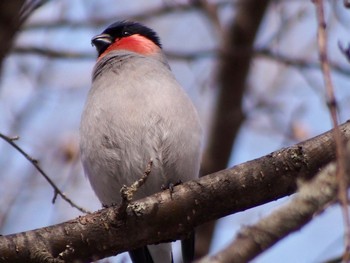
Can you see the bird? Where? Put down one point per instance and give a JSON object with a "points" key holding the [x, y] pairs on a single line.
{"points": [[136, 112]]}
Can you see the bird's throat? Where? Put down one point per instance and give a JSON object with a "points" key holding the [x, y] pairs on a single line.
{"points": [[134, 43]]}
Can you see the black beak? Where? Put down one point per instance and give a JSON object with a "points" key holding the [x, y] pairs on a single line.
{"points": [[101, 42]]}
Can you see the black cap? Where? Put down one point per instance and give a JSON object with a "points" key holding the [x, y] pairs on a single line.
{"points": [[122, 29]]}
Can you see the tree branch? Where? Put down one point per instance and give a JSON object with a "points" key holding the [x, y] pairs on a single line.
{"points": [[345, 51], [164, 216], [158, 11], [322, 40], [35, 163], [65, 54], [264, 52], [312, 198], [301, 63], [9, 25]]}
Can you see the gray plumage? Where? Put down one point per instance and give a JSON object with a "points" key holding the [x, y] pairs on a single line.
{"points": [[136, 112]]}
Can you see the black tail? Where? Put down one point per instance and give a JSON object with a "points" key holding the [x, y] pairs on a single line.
{"points": [[141, 255], [187, 247]]}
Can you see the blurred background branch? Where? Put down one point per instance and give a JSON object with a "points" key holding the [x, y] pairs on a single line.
{"points": [[10, 22], [235, 59]]}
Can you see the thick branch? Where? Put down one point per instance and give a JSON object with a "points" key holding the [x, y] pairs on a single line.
{"points": [[312, 198], [167, 216]]}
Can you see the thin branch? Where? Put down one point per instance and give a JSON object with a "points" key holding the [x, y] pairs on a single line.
{"points": [[189, 56], [64, 54], [103, 21], [212, 13], [345, 51], [332, 105], [29, 7], [57, 191], [287, 21], [51, 53], [127, 192], [299, 62]]}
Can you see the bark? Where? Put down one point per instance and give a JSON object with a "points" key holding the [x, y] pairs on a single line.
{"points": [[312, 198], [169, 215]]}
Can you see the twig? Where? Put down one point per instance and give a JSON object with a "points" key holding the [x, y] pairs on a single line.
{"points": [[127, 192], [64, 54], [298, 62], [345, 51], [180, 55], [51, 53], [35, 163], [332, 105], [158, 11], [286, 23], [211, 11], [29, 7]]}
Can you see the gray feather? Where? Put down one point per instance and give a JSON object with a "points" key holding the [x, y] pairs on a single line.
{"points": [[137, 112]]}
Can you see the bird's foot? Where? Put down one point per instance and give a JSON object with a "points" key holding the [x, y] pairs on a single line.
{"points": [[170, 186]]}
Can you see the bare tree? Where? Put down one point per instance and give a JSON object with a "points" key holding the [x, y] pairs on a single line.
{"points": [[252, 63]]}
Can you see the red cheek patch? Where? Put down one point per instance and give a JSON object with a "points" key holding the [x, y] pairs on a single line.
{"points": [[134, 43]]}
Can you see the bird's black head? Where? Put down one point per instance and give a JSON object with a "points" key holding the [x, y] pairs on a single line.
{"points": [[122, 29]]}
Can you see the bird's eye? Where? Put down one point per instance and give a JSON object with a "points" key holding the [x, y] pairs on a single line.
{"points": [[126, 33]]}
